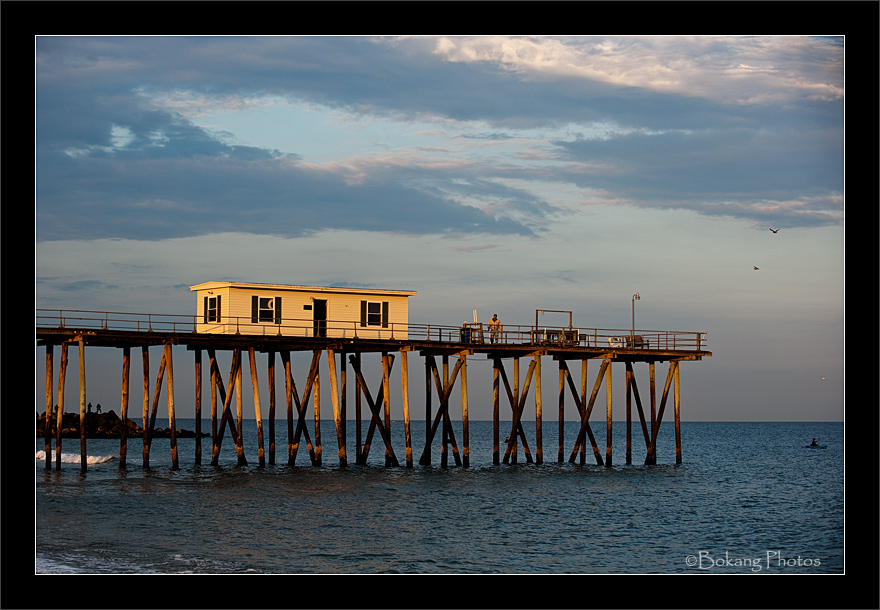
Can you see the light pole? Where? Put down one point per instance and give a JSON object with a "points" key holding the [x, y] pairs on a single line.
{"points": [[632, 338]]}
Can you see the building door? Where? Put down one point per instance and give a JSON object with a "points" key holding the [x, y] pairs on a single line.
{"points": [[319, 317]]}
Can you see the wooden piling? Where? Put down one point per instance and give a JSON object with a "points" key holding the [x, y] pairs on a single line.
{"points": [[444, 405], [337, 414], [145, 356], [60, 417], [496, 365], [677, 415], [123, 408], [261, 453], [386, 401], [288, 392], [213, 375], [271, 367], [50, 394], [563, 371], [539, 447], [83, 454], [513, 406], [608, 415], [404, 390], [198, 399], [653, 397], [239, 411], [426, 452], [317, 410], [357, 412], [169, 393], [629, 375], [465, 434], [583, 405], [343, 401]]}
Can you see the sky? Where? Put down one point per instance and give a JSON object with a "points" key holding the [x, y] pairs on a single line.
{"points": [[498, 173]]}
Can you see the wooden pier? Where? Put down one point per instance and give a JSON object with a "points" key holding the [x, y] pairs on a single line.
{"points": [[437, 345]]}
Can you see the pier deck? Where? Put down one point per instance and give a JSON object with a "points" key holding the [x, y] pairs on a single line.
{"points": [[563, 344]]}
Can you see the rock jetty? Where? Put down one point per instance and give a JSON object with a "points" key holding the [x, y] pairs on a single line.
{"points": [[102, 425]]}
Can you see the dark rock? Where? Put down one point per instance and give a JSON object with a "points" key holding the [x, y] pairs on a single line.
{"points": [[102, 425]]}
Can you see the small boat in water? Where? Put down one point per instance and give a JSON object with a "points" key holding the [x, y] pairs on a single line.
{"points": [[815, 445]]}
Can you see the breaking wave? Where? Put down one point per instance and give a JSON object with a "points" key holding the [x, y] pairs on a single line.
{"points": [[74, 458]]}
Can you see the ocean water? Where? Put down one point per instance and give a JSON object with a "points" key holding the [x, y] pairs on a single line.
{"points": [[748, 498]]}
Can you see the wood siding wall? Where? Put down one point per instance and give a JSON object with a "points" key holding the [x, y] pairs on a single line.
{"points": [[345, 313]]}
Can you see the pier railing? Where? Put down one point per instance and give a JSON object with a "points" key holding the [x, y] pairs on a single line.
{"points": [[477, 334]]}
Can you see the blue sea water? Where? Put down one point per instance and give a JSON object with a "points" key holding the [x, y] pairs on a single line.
{"points": [[749, 498]]}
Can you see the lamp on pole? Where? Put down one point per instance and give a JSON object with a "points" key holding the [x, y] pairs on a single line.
{"points": [[635, 298]]}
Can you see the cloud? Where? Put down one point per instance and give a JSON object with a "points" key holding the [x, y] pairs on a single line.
{"points": [[746, 127], [474, 248], [742, 173], [739, 70], [89, 285], [150, 198]]}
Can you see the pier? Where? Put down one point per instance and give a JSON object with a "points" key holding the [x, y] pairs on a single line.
{"points": [[338, 355]]}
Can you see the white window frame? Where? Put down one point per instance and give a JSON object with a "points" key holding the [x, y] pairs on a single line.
{"points": [[266, 309], [374, 318], [211, 313]]}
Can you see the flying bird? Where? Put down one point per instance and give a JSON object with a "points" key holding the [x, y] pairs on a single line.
{"points": [[775, 230], [756, 268]]}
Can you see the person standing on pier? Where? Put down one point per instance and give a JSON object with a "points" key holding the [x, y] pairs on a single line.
{"points": [[494, 328]]}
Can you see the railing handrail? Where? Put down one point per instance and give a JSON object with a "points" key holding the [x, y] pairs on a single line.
{"points": [[508, 334]]}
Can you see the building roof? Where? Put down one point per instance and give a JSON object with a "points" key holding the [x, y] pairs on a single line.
{"points": [[297, 288]]}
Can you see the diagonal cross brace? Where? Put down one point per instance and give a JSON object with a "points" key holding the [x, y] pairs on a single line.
{"points": [[517, 414], [443, 393], [226, 398], [519, 429], [585, 416], [376, 422], [379, 400], [578, 401], [651, 458], [635, 391], [301, 406], [444, 404]]}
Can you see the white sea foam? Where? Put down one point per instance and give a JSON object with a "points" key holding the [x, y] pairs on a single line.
{"points": [[74, 458]]}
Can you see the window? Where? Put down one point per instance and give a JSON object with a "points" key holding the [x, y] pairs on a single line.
{"points": [[265, 309], [212, 309], [374, 313]]}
